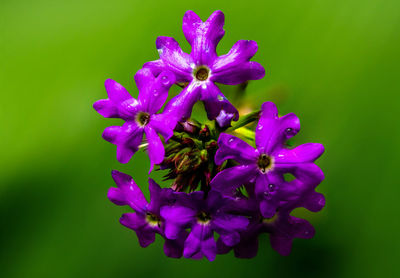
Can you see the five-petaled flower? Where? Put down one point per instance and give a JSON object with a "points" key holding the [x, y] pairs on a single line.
{"points": [[203, 67], [146, 220], [267, 164], [139, 115], [203, 217]]}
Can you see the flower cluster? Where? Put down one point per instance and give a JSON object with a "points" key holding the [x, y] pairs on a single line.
{"points": [[229, 183]]}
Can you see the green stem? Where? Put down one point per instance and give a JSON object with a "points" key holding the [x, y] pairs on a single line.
{"points": [[244, 120]]}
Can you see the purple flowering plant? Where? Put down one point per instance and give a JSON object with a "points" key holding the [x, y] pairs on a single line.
{"points": [[229, 184]]}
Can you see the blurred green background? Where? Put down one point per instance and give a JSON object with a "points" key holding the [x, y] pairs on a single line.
{"points": [[335, 63]]}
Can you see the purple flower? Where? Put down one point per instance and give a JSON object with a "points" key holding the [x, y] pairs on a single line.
{"points": [[139, 115], [203, 217], [266, 165], [146, 221], [203, 67], [282, 229]]}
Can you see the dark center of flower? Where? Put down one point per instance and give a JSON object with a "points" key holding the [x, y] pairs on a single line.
{"points": [[142, 118], [203, 217], [269, 220], [152, 219], [202, 73], [264, 163]]}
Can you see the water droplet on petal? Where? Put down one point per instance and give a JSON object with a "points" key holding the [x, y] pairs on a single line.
{"points": [[271, 187], [260, 127], [231, 140], [165, 80], [289, 130]]}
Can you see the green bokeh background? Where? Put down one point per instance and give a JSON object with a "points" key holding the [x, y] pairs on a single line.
{"points": [[335, 63]]}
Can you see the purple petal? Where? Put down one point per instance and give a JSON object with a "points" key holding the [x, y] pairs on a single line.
{"points": [[227, 226], [163, 124], [229, 179], [308, 175], [144, 80], [231, 147], [239, 74], [145, 234], [268, 204], [116, 92], [174, 248], [282, 245], [247, 248], [200, 239], [230, 239], [153, 92], [301, 228], [116, 196], [176, 219], [127, 193], [120, 104], [106, 108], [273, 131], [229, 223], [133, 221], [314, 201], [158, 196], [191, 22], [215, 102], [156, 66], [222, 248], [180, 107], [208, 35], [303, 153], [213, 202], [155, 149], [242, 51], [127, 139], [268, 208], [174, 58], [146, 237]]}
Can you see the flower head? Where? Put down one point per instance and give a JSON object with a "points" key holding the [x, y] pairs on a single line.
{"points": [[266, 164], [236, 191], [203, 67], [203, 217], [139, 115]]}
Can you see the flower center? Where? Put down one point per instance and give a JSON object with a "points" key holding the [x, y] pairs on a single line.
{"points": [[142, 118], [270, 220], [264, 163], [202, 73], [203, 217], [152, 219]]}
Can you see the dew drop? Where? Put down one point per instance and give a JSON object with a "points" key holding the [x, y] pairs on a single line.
{"points": [[165, 80], [231, 140], [271, 187], [289, 130], [260, 127]]}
